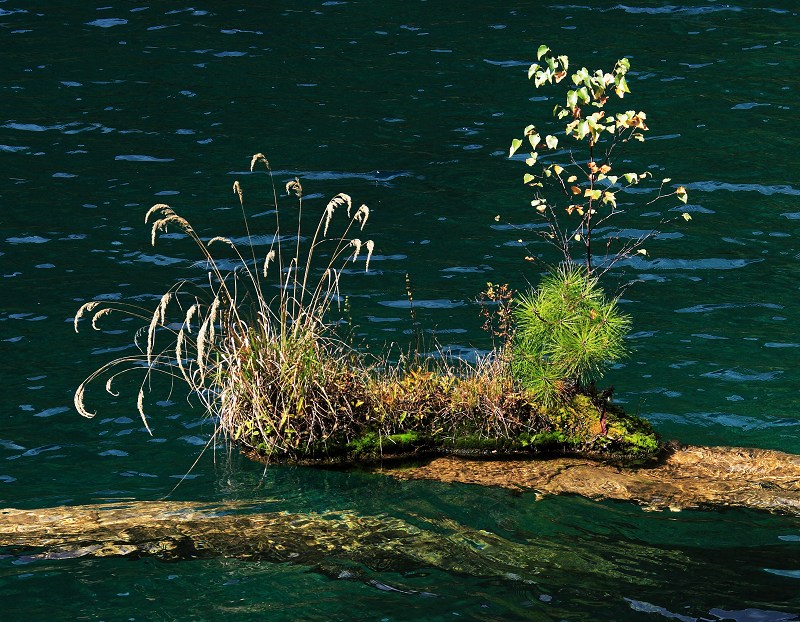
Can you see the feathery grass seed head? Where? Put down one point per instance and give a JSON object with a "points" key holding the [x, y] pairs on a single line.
{"points": [[158, 318], [140, 408], [165, 209], [88, 306], [98, 315], [328, 216], [342, 199], [362, 215], [79, 401], [270, 257], [189, 315], [259, 157], [370, 247], [356, 243], [161, 224], [294, 186]]}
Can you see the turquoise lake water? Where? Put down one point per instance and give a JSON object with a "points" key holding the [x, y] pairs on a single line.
{"points": [[108, 108]]}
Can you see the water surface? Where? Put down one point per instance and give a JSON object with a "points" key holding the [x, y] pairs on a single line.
{"points": [[409, 107]]}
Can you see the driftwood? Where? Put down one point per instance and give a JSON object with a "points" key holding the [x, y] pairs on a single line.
{"points": [[692, 477]]}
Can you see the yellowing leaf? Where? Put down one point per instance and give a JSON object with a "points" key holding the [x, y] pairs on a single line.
{"points": [[551, 142], [515, 144], [686, 217], [572, 179]]}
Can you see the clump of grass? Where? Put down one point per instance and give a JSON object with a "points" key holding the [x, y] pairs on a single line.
{"points": [[254, 345]]}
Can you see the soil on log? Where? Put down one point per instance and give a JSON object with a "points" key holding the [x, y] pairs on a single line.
{"points": [[691, 477]]}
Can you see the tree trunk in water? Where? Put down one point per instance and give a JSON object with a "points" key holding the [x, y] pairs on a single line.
{"points": [[692, 477]]}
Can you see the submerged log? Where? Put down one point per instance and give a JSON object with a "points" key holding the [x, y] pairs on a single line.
{"points": [[333, 543], [691, 477]]}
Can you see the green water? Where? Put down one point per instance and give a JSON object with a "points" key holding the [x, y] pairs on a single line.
{"points": [[409, 107]]}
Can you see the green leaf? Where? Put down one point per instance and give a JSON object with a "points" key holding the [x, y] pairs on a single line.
{"points": [[532, 160], [515, 144], [631, 178], [592, 194], [564, 60], [622, 87], [551, 142], [527, 178], [583, 95], [532, 70], [534, 139], [543, 49], [572, 99], [582, 129]]}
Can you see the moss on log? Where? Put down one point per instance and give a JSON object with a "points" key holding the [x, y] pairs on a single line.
{"points": [[577, 427]]}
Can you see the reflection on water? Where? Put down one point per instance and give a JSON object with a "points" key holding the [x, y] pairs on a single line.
{"points": [[111, 107]]}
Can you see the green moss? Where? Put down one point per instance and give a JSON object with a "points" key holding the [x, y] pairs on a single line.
{"points": [[373, 444]]}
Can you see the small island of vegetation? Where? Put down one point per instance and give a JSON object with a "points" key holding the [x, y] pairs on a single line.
{"points": [[257, 346]]}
